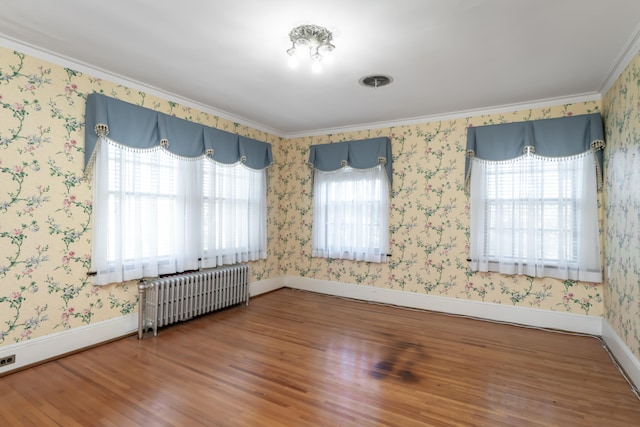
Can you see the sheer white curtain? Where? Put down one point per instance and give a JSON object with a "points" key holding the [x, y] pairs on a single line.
{"points": [[142, 223], [234, 220], [536, 216], [351, 214], [155, 213]]}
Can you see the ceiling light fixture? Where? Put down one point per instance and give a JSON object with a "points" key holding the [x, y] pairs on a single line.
{"points": [[313, 39]]}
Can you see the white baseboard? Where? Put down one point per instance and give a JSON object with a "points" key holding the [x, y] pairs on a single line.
{"points": [[579, 323], [54, 345], [627, 360], [264, 286], [497, 312], [40, 349]]}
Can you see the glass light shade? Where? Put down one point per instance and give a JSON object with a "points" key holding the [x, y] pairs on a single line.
{"points": [[313, 39]]}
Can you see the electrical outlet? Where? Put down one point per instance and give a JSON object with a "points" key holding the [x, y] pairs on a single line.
{"points": [[7, 360]]}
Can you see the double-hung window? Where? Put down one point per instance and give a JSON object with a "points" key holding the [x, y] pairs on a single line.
{"points": [[155, 213], [141, 199], [351, 185], [533, 214], [171, 195], [350, 214], [234, 214]]}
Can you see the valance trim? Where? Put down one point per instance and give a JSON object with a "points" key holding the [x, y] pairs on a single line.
{"points": [[533, 155], [142, 128], [557, 137], [360, 154]]}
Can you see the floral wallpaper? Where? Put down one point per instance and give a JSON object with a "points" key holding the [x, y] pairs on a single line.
{"points": [[45, 201], [45, 209], [622, 206], [429, 220]]}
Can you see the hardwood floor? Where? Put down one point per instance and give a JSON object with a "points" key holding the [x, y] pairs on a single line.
{"points": [[295, 358]]}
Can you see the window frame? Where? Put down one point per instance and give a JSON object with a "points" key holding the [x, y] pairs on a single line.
{"points": [[527, 235], [133, 179], [326, 215]]}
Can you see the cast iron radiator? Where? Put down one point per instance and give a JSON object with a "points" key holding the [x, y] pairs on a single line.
{"points": [[180, 297]]}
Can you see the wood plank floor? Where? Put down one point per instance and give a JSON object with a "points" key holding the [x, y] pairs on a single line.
{"points": [[295, 358]]}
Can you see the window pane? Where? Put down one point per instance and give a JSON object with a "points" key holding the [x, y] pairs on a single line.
{"points": [[536, 216], [351, 214]]}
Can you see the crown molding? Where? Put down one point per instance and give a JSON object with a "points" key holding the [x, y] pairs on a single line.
{"points": [[621, 62], [624, 58], [67, 62], [500, 109]]}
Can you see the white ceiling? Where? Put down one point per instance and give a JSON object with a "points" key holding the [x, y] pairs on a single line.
{"points": [[446, 57]]}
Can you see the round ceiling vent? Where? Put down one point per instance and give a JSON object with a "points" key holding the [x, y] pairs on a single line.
{"points": [[375, 81]]}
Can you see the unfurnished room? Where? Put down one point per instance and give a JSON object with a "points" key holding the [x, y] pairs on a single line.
{"points": [[337, 213]]}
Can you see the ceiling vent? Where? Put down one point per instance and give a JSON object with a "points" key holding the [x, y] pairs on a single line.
{"points": [[375, 81]]}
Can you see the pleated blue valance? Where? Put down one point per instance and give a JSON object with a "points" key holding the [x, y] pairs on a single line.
{"points": [[361, 154], [139, 127], [559, 137]]}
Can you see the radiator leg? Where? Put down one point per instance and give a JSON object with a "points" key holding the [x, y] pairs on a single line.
{"points": [[245, 281], [142, 306]]}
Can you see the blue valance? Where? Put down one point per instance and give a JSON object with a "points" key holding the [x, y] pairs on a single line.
{"points": [[559, 137], [139, 127], [361, 154]]}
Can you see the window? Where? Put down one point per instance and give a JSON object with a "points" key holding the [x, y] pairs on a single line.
{"points": [[533, 190], [142, 187], [352, 180], [170, 195], [234, 214], [350, 214], [536, 216], [157, 213]]}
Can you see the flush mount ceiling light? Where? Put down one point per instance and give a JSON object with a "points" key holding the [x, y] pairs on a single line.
{"points": [[375, 81], [314, 40]]}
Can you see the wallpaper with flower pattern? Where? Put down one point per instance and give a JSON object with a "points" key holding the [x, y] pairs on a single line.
{"points": [[45, 209], [622, 206], [429, 222], [45, 203]]}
